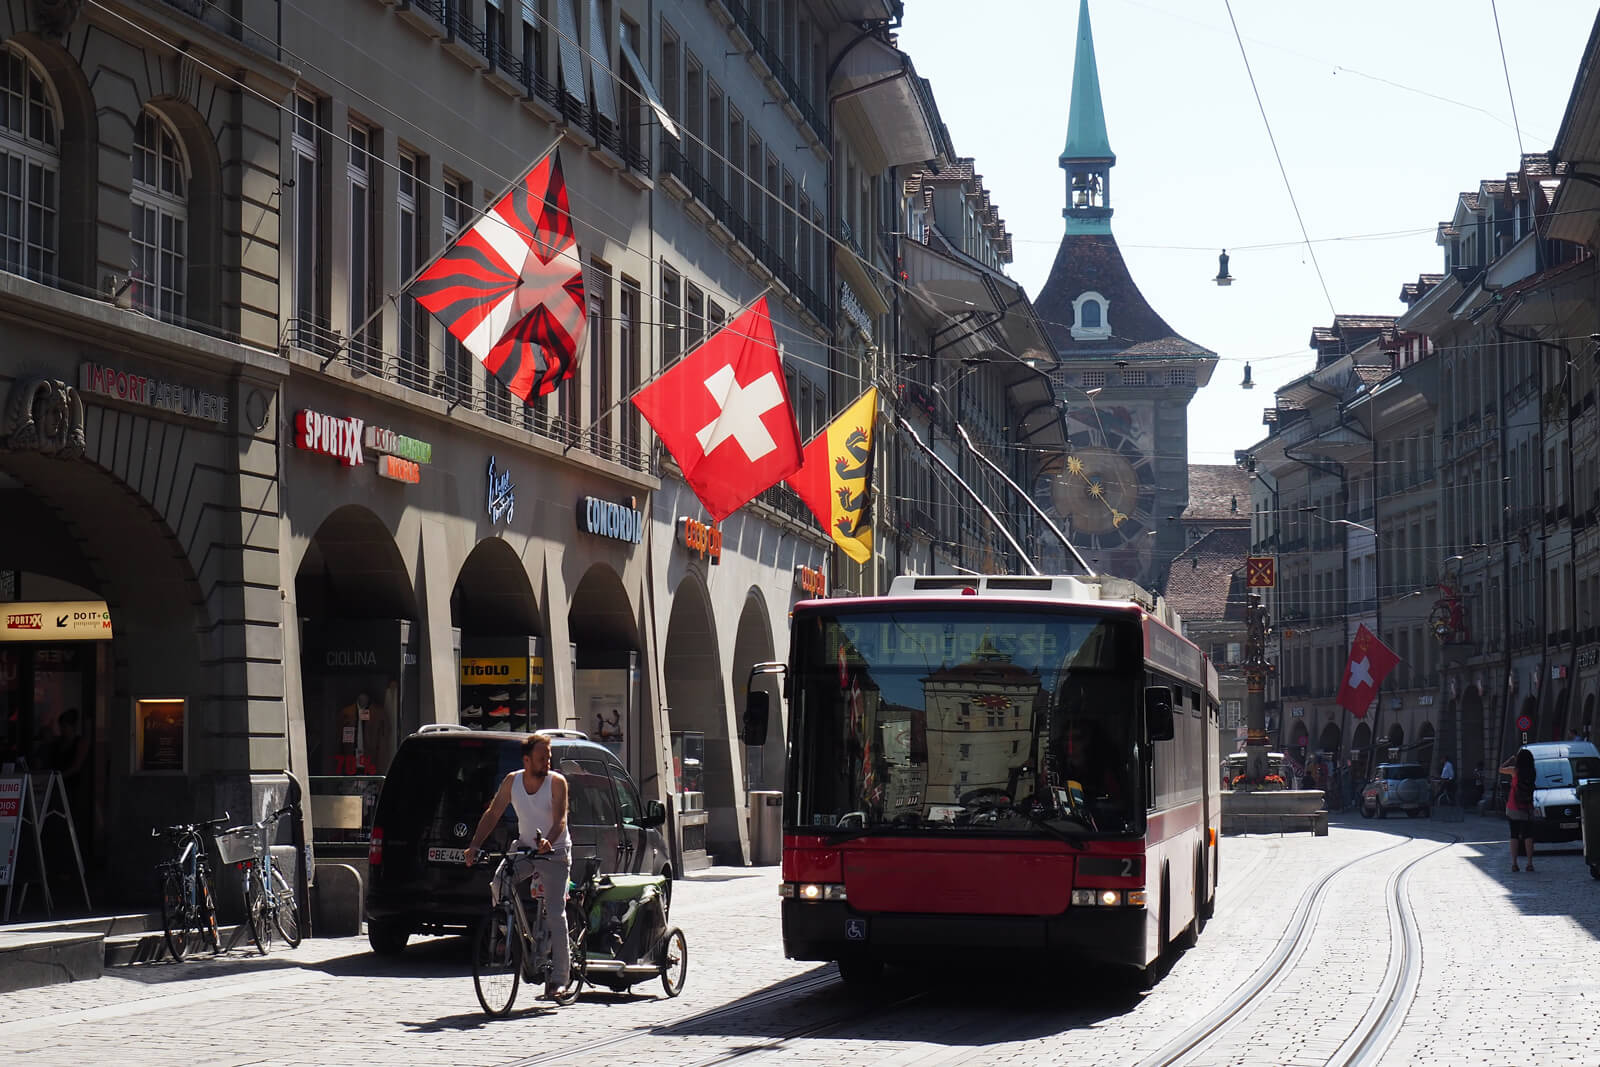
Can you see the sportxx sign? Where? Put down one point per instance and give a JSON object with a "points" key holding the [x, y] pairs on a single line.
{"points": [[339, 438]]}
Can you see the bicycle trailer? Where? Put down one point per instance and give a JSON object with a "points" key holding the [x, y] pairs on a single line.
{"points": [[627, 930]]}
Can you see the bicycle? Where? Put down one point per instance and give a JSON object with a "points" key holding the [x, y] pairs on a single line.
{"points": [[509, 944], [269, 900], [188, 892]]}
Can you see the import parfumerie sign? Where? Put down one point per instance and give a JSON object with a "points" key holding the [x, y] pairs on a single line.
{"points": [[97, 379]]}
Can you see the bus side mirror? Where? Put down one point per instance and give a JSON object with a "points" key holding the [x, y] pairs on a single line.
{"points": [[1158, 713], [757, 710]]}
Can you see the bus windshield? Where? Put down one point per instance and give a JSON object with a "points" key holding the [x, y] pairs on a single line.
{"points": [[971, 720]]}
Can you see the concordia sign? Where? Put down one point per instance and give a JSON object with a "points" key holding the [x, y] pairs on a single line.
{"points": [[603, 518]]}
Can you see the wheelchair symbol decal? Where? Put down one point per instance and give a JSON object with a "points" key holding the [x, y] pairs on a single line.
{"points": [[855, 929]]}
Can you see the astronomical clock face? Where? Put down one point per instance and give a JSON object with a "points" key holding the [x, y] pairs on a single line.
{"points": [[1104, 486]]}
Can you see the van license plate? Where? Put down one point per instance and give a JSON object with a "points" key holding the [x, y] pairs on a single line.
{"points": [[446, 855], [1569, 826]]}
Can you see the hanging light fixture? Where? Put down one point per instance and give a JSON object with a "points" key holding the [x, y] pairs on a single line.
{"points": [[1247, 383], [1223, 277]]}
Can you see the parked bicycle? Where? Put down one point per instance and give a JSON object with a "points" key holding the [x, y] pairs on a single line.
{"points": [[269, 900], [509, 944], [188, 893]]}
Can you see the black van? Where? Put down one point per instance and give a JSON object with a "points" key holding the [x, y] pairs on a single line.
{"points": [[440, 781]]}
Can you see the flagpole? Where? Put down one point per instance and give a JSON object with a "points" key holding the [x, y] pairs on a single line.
{"points": [[640, 387], [446, 246], [906, 426]]}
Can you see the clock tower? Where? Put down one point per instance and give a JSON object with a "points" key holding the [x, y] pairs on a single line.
{"points": [[1126, 377]]}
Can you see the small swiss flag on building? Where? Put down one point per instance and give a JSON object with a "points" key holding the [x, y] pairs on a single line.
{"points": [[1370, 663]]}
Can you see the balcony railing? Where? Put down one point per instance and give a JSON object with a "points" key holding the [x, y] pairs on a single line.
{"points": [[461, 383], [218, 17], [801, 99], [674, 162]]}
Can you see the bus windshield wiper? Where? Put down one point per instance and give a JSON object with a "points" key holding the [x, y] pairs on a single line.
{"points": [[1060, 833]]}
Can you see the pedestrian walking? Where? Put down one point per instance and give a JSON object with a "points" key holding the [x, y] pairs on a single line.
{"points": [[1519, 808], [1447, 782]]}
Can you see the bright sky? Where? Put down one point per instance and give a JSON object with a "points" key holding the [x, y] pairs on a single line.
{"points": [[1383, 110]]}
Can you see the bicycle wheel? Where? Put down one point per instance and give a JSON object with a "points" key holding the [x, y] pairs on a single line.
{"points": [[577, 966], [285, 912], [577, 938], [496, 961], [176, 915], [207, 900], [673, 958], [255, 910]]}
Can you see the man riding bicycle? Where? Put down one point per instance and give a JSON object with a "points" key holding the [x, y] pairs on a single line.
{"points": [[539, 797]]}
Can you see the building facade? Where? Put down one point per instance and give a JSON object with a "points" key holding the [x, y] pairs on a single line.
{"points": [[287, 519]]}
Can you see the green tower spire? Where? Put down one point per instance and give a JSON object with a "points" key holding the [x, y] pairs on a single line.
{"points": [[1087, 158]]}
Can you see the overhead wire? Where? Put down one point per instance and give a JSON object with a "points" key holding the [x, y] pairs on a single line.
{"points": [[889, 376]]}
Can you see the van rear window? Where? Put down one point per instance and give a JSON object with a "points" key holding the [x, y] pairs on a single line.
{"points": [[445, 782]]}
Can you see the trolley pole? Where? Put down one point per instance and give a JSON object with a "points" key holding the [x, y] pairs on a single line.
{"points": [[1256, 669]]}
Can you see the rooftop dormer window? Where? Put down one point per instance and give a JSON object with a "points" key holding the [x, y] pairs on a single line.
{"points": [[1089, 317]]}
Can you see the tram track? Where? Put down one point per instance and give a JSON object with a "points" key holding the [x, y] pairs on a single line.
{"points": [[1372, 1036]]}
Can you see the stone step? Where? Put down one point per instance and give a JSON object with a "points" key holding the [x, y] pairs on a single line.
{"points": [[46, 957]]}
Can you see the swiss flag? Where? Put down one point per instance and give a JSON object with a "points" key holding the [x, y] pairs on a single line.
{"points": [[1370, 663], [723, 412]]}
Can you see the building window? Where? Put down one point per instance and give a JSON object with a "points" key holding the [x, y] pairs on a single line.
{"points": [[366, 342], [601, 441], [311, 322], [458, 362], [671, 318], [628, 347], [694, 317], [1133, 377], [1089, 317], [1092, 379], [160, 220], [413, 326], [30, 168]]}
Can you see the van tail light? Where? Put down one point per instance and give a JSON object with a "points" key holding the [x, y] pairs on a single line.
{"points": [[375, 850]]}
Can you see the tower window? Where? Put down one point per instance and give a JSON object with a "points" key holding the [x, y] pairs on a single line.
{"points": [[1089, 314]]}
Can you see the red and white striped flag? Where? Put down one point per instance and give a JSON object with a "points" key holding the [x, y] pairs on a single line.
{"points": [[510, 288]]}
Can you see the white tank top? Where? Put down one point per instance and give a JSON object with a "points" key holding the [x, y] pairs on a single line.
{"points": [[533, 812]]}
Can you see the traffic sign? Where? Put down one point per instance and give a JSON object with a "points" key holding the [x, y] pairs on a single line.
{"points": [[1524, 723]]}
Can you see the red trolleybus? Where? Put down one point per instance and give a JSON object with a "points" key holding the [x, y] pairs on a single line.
{"points": [[1012, 766]]}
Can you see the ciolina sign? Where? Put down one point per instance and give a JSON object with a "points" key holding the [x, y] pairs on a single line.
{"points": [[97, 379]]}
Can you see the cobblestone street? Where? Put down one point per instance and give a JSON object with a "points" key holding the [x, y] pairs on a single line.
{"points": [[1508, 975]]}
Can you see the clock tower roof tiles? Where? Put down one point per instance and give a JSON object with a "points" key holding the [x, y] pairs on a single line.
{"points": [[1092, 262]]}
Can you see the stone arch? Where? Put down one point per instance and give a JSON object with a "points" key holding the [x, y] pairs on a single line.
{"points": [[358, 638], [1330, 738], [692, 679], [493, 608], [1299, 740], [77, 525], [754, 644], [206, 270], [602, 624], [1473, 744], [1427, 751], [1396, 738], [1588, 714], [78, 215], [1557, 728]]}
